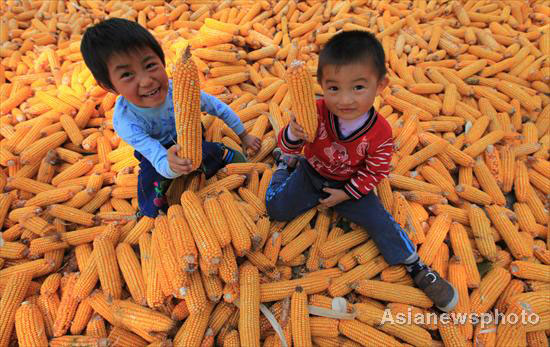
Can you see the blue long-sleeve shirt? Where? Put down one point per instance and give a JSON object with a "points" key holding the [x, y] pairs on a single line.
{"points": [[147, 129]]}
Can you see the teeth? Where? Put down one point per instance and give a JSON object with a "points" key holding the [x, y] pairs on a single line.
{"points": [[153, 92]]}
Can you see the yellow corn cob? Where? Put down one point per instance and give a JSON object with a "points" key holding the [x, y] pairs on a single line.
{"points": [[531, 271], [251, 198], [153, 292], [183, 239], [78, 341], [131, 271], [340, 286], [67, 306], [125, 337], [52, 196], [299, 318], [482, 234], [359, 332], [228, 267], [38, 149], [48, 305], [82, 317], [13, 250], [300, 86], [372, 315], [249, 306], [488, 182], [298, 245], [169, 257], [71, 214], [230, 182], [509, 232], [434, 238], [12, 296], [201, 229], [296, 225], [36, 225], [165, 283], [473, 194], [134, 315], [187, 109], [240, 238], [513, 288], [490, 288], [192, 331], [392, 292], [450, 334], [278, 290], [213, 286], [342, 243]]}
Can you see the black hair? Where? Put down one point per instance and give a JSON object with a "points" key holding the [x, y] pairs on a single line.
{"points": [[111, 36], [350, 47]]}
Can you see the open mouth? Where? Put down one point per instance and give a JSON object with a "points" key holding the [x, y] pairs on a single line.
{"points": [[152, 93]]}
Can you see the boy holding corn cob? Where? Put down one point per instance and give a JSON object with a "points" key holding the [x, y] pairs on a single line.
{"points": [[348, 156], [126, 59]]}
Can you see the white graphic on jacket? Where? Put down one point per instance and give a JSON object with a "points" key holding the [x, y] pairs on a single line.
{"points": [[337, 160], [322, 131]]}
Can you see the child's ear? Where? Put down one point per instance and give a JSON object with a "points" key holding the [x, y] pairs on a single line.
{"points": [[110, 90], [382, 84]]}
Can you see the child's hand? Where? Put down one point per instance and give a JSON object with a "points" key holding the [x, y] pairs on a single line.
{"points": [[177, 164], [251, 144], [297, 129], [336, 196]]}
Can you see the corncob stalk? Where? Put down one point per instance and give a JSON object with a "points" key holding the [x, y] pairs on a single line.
{"points": [[300, 86], [187, 112]]}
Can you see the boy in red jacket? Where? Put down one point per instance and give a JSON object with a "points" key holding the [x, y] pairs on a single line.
{"points": [[349, 156]]}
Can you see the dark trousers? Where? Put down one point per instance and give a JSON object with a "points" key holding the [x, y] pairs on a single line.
{"points": [[152, 186], [291, 194]]}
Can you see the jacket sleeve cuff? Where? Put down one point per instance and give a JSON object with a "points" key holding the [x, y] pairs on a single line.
{"points": [[352, 191], [287, 143]]}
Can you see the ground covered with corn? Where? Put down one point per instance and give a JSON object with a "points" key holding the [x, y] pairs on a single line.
{"points": [[469, 105]]}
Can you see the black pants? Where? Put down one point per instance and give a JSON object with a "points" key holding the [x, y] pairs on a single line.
{"points": [[152, 186], [291, 194]]}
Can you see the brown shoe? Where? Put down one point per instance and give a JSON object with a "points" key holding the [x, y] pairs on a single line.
{"points": [[439, 290]]}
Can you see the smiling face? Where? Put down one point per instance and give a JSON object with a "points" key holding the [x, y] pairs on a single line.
{"points": [[139, 76], [349, 90]]}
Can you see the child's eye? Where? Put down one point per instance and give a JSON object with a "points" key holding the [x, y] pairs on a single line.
{"points": [[151, 66], [333, 88], [359, 87], [126, 75]]}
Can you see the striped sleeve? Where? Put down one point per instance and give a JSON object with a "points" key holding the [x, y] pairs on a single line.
{"points": [[377, 167], [287, 145]]}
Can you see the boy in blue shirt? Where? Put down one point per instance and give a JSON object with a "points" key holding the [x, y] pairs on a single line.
{"points": [[126, 59]]}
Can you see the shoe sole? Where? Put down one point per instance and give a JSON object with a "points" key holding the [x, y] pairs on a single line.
{"points": [[451, 305]]}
